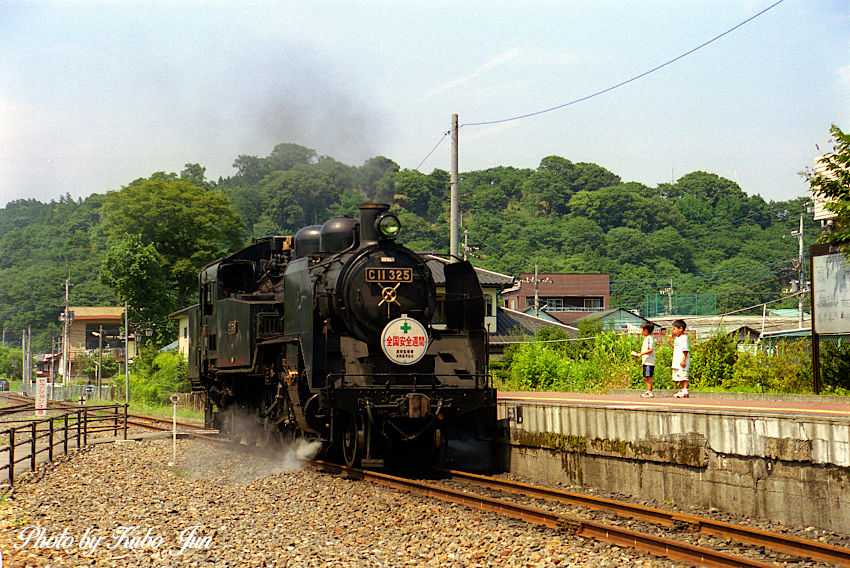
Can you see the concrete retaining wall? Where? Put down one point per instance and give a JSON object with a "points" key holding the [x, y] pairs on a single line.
{"points": [[786, 468]]}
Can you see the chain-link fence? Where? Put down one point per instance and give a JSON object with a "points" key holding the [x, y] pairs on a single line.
{"points": [[680, 304], [70, 392]]}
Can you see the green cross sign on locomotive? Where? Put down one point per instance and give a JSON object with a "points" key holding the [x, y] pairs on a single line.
{"points": [[404, 340]]}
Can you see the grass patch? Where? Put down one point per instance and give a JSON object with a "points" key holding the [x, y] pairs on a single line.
{"points": [[160, 410]]}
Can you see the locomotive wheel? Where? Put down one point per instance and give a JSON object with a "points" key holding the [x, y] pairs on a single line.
{"points": [[353, 439]]}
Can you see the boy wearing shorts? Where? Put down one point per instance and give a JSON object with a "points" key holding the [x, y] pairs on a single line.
{"points": [[681, 359], [647, 356]]}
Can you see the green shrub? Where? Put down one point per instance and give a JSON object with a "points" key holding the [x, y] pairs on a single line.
{"points": [[154, 376], [786, 367], [593, 365], [835, 366], [537, 366], [713, 360], [10, 363], [87, 365]]}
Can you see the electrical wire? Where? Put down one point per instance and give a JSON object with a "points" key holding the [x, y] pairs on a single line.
{"points": [[688, 318], [611, 88], [437, 145], [627, 81]]}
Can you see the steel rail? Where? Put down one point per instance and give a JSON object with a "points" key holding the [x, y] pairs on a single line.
{"points": [[774, 541], [619, 536], [58, 404]]}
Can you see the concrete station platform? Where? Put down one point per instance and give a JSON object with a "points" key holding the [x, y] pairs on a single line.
{"points": [[785, 458]]}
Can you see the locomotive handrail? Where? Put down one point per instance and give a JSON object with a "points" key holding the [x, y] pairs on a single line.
{"points": [[338, 380]]}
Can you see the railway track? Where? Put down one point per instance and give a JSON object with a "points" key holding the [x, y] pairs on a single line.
{"points": [[498, 499], [777, 542], [139, 420], [611, 533]]}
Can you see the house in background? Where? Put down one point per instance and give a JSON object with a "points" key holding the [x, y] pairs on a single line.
{"points": [[182, 343], [620, 320], [92, 328], [565, 297]]}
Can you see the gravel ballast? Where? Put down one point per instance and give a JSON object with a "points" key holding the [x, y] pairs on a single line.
{"points": [[237, 509]]}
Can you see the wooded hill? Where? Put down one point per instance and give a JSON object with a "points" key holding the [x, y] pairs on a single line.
{"points": [[703, 232]]}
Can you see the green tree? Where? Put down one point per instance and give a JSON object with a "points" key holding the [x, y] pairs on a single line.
{"points": [[299, 196], [155, 376], [196, 174], [549, 189], [616, 206], [286, 156], [134, 272], [833, 182], [251, 169], [186, 224], [10, 363], [423, 194]]}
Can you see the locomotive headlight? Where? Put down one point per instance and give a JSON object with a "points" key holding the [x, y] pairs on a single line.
{"points": [[389, 226]]}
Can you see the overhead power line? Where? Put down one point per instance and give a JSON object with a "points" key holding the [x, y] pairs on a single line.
{"points": [[630, 80], [611, 88], [437, 145]]}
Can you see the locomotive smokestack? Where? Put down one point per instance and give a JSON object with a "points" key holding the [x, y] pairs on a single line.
{"points": [[369, 212]]}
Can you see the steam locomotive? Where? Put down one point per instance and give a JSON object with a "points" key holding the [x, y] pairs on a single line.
{"points": [[341, 334]]}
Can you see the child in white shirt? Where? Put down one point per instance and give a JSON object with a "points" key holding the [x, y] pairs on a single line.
{"points": [[681, 357], [647, 356]]}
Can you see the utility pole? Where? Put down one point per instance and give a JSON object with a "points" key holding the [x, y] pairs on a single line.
{"points": [[126, 352], [453, 233], [52, 375], [465, 243], [29, 353], [669, 293], [801, 290], [536, 298], [99, 359], [66, 352]]}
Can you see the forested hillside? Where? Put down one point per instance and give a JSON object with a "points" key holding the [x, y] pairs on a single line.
{"points": [[703, 232]]}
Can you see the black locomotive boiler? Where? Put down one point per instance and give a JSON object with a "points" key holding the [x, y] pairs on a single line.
{"points": [[338, 334]]}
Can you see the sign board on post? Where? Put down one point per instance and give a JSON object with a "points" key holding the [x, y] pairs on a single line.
{"points": [[830, 298], [41, 396], [831, 293]]}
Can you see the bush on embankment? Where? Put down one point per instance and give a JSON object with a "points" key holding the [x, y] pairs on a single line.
{"points": [[599, 361], [154, 376]]}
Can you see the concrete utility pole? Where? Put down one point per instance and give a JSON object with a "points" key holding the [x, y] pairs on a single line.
{"points": [[536, 297], [99, 359], [66, 352], [801, 290], [802, 274], [126, 352], [669, 293], [29, 353], [26, 355], [24, 378], [52, 375], [453, 234]]}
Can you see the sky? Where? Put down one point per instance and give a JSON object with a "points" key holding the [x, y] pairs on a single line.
{"points": [[94, 95]]}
